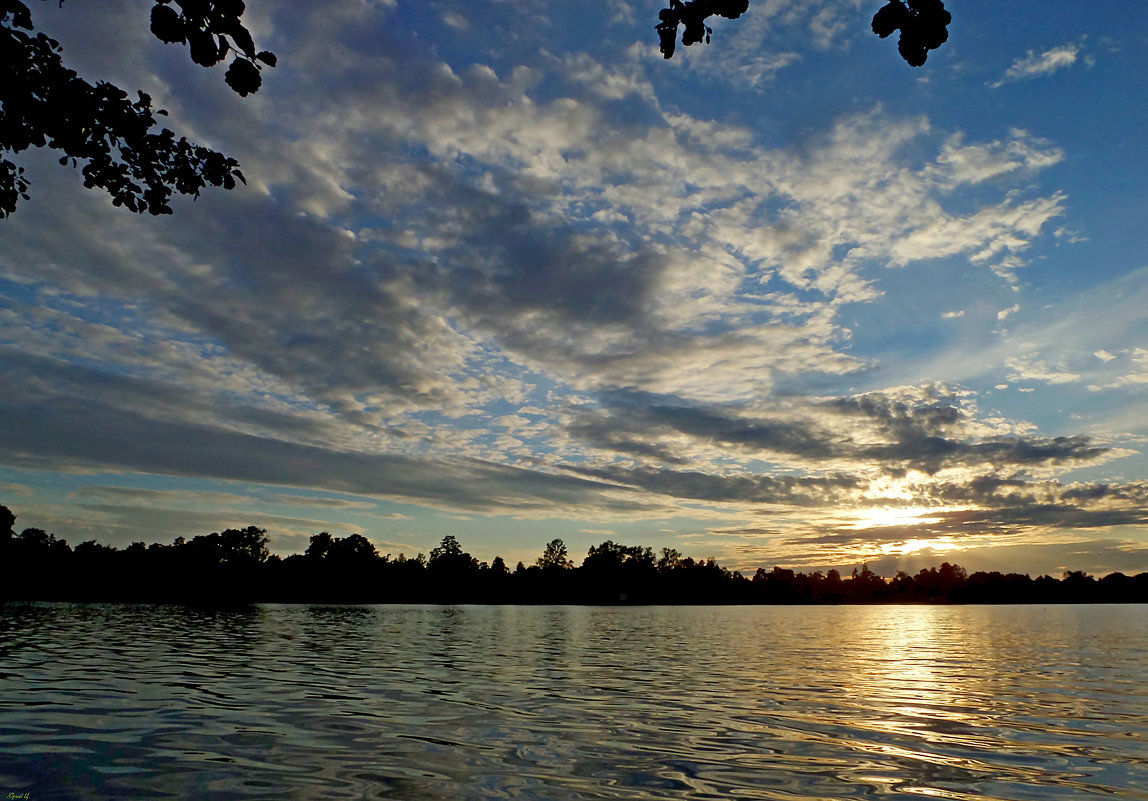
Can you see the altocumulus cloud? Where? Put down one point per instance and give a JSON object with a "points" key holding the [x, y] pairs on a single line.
{"points": [[521, 273]]}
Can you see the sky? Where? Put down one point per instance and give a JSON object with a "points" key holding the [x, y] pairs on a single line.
{"points": [[501, 271]]}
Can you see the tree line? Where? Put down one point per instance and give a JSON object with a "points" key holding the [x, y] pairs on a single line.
{"points": [[235, 566]]}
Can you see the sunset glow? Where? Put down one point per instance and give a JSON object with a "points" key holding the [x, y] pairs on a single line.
{"points": [[893, 516], [503, 272]]}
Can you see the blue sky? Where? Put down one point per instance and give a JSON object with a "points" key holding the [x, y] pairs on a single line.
{"points": [[502, 272]]}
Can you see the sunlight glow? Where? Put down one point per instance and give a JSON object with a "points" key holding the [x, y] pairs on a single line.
{"points": [[894, 516], [917, 545]]}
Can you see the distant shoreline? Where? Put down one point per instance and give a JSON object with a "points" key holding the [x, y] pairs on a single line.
{"points": [[235, 567]]}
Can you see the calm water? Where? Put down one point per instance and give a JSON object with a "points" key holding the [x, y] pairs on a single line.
{"points": [[426, 702]]}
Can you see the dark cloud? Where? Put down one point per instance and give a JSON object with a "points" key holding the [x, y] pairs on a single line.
{"points": [[625, 417], [981, 490], [1096, 557], [58, 416], [915, 434], [978, 523], [38, 382], [75, 433], [895, 414], [1042, 515], [926, 436], [530, 270], [794, 490]]}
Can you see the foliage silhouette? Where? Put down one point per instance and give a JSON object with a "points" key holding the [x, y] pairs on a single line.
{"points": [[555, 556], [233, 566], [923, 24], [43, 103], [693, 14], [7, 521]]}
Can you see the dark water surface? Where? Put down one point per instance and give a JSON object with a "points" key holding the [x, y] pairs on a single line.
{"points": [[425, 702]]}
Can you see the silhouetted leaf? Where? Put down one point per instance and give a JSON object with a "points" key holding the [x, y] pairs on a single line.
{"points": [[196, 9], [693, 14], [889, 18], [267, 57], [911, 48], [231, 8], [243, 77], [923, 25], [732, 9], [166, 24], [204, 50], [242, 38]]}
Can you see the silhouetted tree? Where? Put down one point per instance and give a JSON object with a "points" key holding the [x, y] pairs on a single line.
{"points": [[234, 566], [555, 556], [864, 585], [453, 572], [1079, 585], [353, 549], [671, 558], [449, 555], [7, 521], [7, 534], [614, 573], [43, 103], [319, 545]]}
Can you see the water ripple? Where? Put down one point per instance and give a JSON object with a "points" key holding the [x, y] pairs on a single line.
{"points": [[423, 702]]}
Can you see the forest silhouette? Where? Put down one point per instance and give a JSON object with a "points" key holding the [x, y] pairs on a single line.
{"points": [[235, 566]]}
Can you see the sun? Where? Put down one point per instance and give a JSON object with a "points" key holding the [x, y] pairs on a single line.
{"points": [[885, 516], [910, 547], [904, 516]]}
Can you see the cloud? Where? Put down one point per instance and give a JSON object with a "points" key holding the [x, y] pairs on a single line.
{"points": [[97, 429], [522, 278], [920, 429], [312, 502], [1097, 557], [1025, 368], [757, 489], [1034, 65], [96, 494]]}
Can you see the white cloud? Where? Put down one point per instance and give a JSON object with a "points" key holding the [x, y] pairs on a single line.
{"points": [[1034, 65], [1029, 369]]}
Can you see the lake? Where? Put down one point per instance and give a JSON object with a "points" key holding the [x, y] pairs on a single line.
{"points": [[489, 702]]}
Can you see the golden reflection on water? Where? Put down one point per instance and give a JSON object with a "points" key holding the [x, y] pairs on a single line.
{"points": [[559, 702], [916, 668], [928, 677]]}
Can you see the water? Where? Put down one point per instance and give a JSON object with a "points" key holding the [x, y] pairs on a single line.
{"points": [[425, 702]]}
